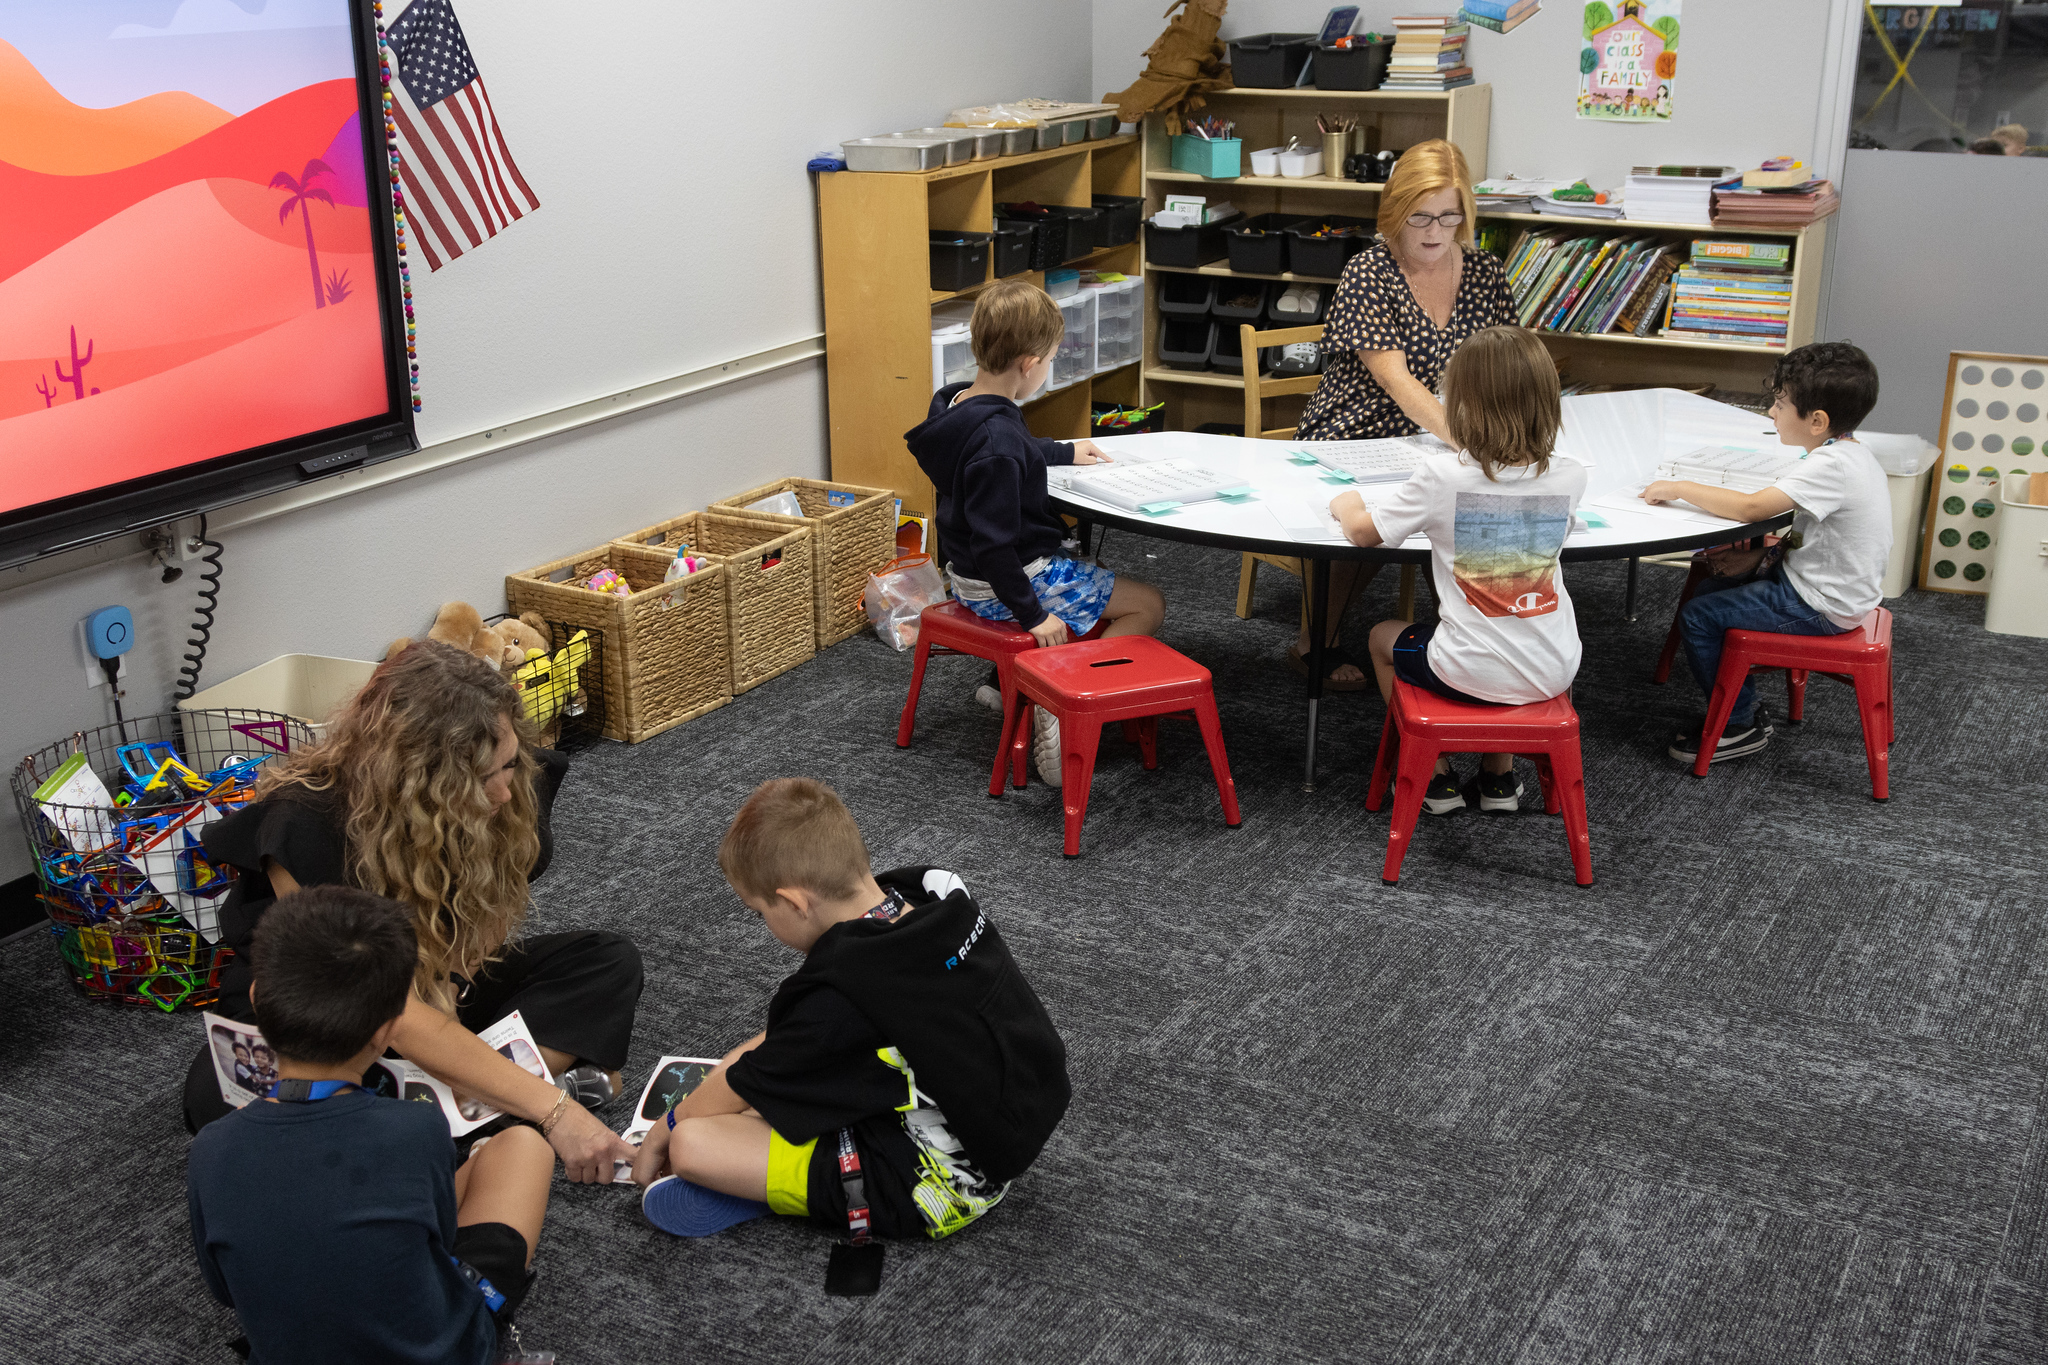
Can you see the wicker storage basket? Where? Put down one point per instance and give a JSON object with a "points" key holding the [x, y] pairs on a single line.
{"points": [[851, 542], [666, 657], [769, 607]]}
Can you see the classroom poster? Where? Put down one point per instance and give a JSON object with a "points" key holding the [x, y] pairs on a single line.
{"points": [[1630, 61]]}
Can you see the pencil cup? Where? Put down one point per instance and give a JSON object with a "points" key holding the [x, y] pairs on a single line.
{"points": [[1219, 158], [1334, 152]]}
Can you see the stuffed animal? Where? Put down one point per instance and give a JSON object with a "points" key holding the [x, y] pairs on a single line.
{"points": [[505, 645]]}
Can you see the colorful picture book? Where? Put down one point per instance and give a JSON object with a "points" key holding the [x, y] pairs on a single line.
{"points": [[1502, 16], [1565, 281], [1733, 291]]}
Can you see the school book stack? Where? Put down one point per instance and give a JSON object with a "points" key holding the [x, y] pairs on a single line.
{"points": [[1739, 205], [1429, 53], [1673, 194], [1499, 15], [1733, 291], [1563, 282]]}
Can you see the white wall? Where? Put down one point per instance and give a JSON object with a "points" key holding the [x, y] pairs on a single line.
{"points": [[1748, 80], [346, 576], [1937, 254]]}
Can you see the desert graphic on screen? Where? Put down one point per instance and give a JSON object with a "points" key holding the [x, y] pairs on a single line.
{"points": [[177, 281]]}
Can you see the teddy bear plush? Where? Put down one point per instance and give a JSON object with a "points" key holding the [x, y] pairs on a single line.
{"points": [[505, 645]]}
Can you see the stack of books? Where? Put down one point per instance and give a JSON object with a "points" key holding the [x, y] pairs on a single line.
{"points": [[1737, 205], [1512, 194], [1673, 194], [1429, 53], [1733, 291], [1562, 282], [1499, 15]]}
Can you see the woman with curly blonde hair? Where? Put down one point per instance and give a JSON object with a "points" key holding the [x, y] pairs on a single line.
{"points": [[427, 789]]}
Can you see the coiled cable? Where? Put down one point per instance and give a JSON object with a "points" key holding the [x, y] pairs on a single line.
{"points": [[202, 623]]}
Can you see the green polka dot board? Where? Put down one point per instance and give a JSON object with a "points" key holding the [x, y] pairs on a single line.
{"points": [[1994, 423]]}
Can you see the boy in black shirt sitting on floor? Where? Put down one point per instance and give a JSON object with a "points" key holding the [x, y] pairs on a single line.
{"points": [[335, 1223], [906, 1064]]}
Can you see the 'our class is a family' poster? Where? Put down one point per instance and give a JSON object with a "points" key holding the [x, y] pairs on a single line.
{"points": [[1629, 65]]}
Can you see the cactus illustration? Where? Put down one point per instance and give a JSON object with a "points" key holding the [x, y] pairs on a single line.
{"points": [[338, 287], [76, 379], [44, 387]]}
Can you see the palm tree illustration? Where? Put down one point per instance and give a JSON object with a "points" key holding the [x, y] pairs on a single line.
{"points": [[301, 190]]}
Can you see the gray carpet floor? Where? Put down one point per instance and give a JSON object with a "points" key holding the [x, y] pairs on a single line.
{"points": [[1771, 1090]]}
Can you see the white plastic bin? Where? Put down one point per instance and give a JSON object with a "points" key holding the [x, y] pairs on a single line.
{"points": [[1076, 358], [2017, 602], [1266, 161], [952, 345], [306, 686]]}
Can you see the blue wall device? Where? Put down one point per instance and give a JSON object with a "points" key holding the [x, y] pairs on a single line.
{"points": [[111, 632]]}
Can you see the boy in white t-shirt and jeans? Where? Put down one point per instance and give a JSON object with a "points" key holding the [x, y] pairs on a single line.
{"points": [[1832, 566], [1497, 513]]}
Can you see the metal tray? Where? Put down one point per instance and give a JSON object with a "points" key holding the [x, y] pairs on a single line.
{"points": [[896, 152], [1076, 130], [959, 142], [1017, 141], [1051, 136], [1102, 125]]}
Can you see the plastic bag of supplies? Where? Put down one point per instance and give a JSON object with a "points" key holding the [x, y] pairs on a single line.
{"points": [[898, 593]]}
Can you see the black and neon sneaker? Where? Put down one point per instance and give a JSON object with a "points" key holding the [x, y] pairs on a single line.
{"points": [[1499, 792], [1444, 795], [1735, 743]]}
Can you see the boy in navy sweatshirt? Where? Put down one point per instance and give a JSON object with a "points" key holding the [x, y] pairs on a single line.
{"points": [[1004, 549]]}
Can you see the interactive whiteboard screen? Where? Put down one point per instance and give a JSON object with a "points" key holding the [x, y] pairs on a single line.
{"points": [[195, 258]]}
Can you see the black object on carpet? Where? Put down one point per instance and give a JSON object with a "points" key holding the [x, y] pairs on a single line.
{"points": [[1769, 1091]]}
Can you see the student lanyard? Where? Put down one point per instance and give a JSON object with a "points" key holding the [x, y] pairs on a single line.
{"points": [[305, 1092], [892, 906], [856, 1189]]}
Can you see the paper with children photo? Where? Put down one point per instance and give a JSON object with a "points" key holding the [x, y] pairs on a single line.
{"points": [[246, 1068], [1629, 64]]}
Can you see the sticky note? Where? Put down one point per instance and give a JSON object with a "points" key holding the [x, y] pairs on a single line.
{"points": [[1300, 457], [1157, 509], [1241, 493], [1593, 520], [1337, 476]]}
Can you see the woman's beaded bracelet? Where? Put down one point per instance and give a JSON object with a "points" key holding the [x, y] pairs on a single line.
{"points": [[547, 1125]]}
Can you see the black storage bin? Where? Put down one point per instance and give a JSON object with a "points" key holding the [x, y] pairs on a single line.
{"points": [[1186, 343], [1049, 235], [1240, 301], [1084, 227], [959, 259], [1269, 61], [1353, 68], [1186, 246], [1227, 355], [1121, 214], [1154, 419], [1258, 246], [1186, 296], [1012, 246], [1325, 256], [1275, 318]]}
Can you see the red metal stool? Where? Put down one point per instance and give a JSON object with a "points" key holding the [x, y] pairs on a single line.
{"points": [[1860, 656], [1422, 725], [1132, 678], [950, 628]]}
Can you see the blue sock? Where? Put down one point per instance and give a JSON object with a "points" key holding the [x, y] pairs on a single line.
{"points": [[675, 1205]]}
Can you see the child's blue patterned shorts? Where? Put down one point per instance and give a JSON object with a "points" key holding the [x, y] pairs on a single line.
{"points": [[1072, 589]]}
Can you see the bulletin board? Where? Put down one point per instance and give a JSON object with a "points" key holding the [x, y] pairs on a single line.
{"points": [[1991, 425]]}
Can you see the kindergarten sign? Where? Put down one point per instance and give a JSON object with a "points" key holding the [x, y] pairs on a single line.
{"points": [[1630, 61]]}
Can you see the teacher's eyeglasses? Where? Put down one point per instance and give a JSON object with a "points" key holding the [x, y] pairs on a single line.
{"points": [[1423, 220]]}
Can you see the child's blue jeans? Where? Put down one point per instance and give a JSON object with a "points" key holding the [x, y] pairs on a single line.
{"points": [[1766, 602]]}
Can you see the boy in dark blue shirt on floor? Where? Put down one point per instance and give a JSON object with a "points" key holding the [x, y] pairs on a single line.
{"points": [[336, 1223]]}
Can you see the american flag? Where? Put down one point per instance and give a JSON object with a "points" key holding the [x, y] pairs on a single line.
{"points": [[461, 184]]}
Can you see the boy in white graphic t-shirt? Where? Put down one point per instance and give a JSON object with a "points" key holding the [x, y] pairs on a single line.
{"points": [[1833, 566], [1496, 512]]}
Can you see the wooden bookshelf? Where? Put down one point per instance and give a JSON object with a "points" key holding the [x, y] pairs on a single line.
{"points": [[1268, 118], [874, 244]]}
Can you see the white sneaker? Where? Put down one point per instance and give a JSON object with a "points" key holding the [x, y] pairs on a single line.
{"points": [[989, 697], [1045, 745]]}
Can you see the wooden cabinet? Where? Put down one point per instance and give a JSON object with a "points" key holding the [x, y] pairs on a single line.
{"points": [[875, 246]]}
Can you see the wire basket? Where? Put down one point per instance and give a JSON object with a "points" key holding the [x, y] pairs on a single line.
{"points": [[563, 690], [133, 900]]}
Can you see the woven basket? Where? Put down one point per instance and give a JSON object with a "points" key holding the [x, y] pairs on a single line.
{"points": [[666, 656], [769, 607], [852, 541]]}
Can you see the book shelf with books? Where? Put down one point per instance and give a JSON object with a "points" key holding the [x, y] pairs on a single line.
{"points": [[1602, 298], [1391, 119]]}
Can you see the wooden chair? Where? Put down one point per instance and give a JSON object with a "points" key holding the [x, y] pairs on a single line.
{"points": [[1256, 391]]}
